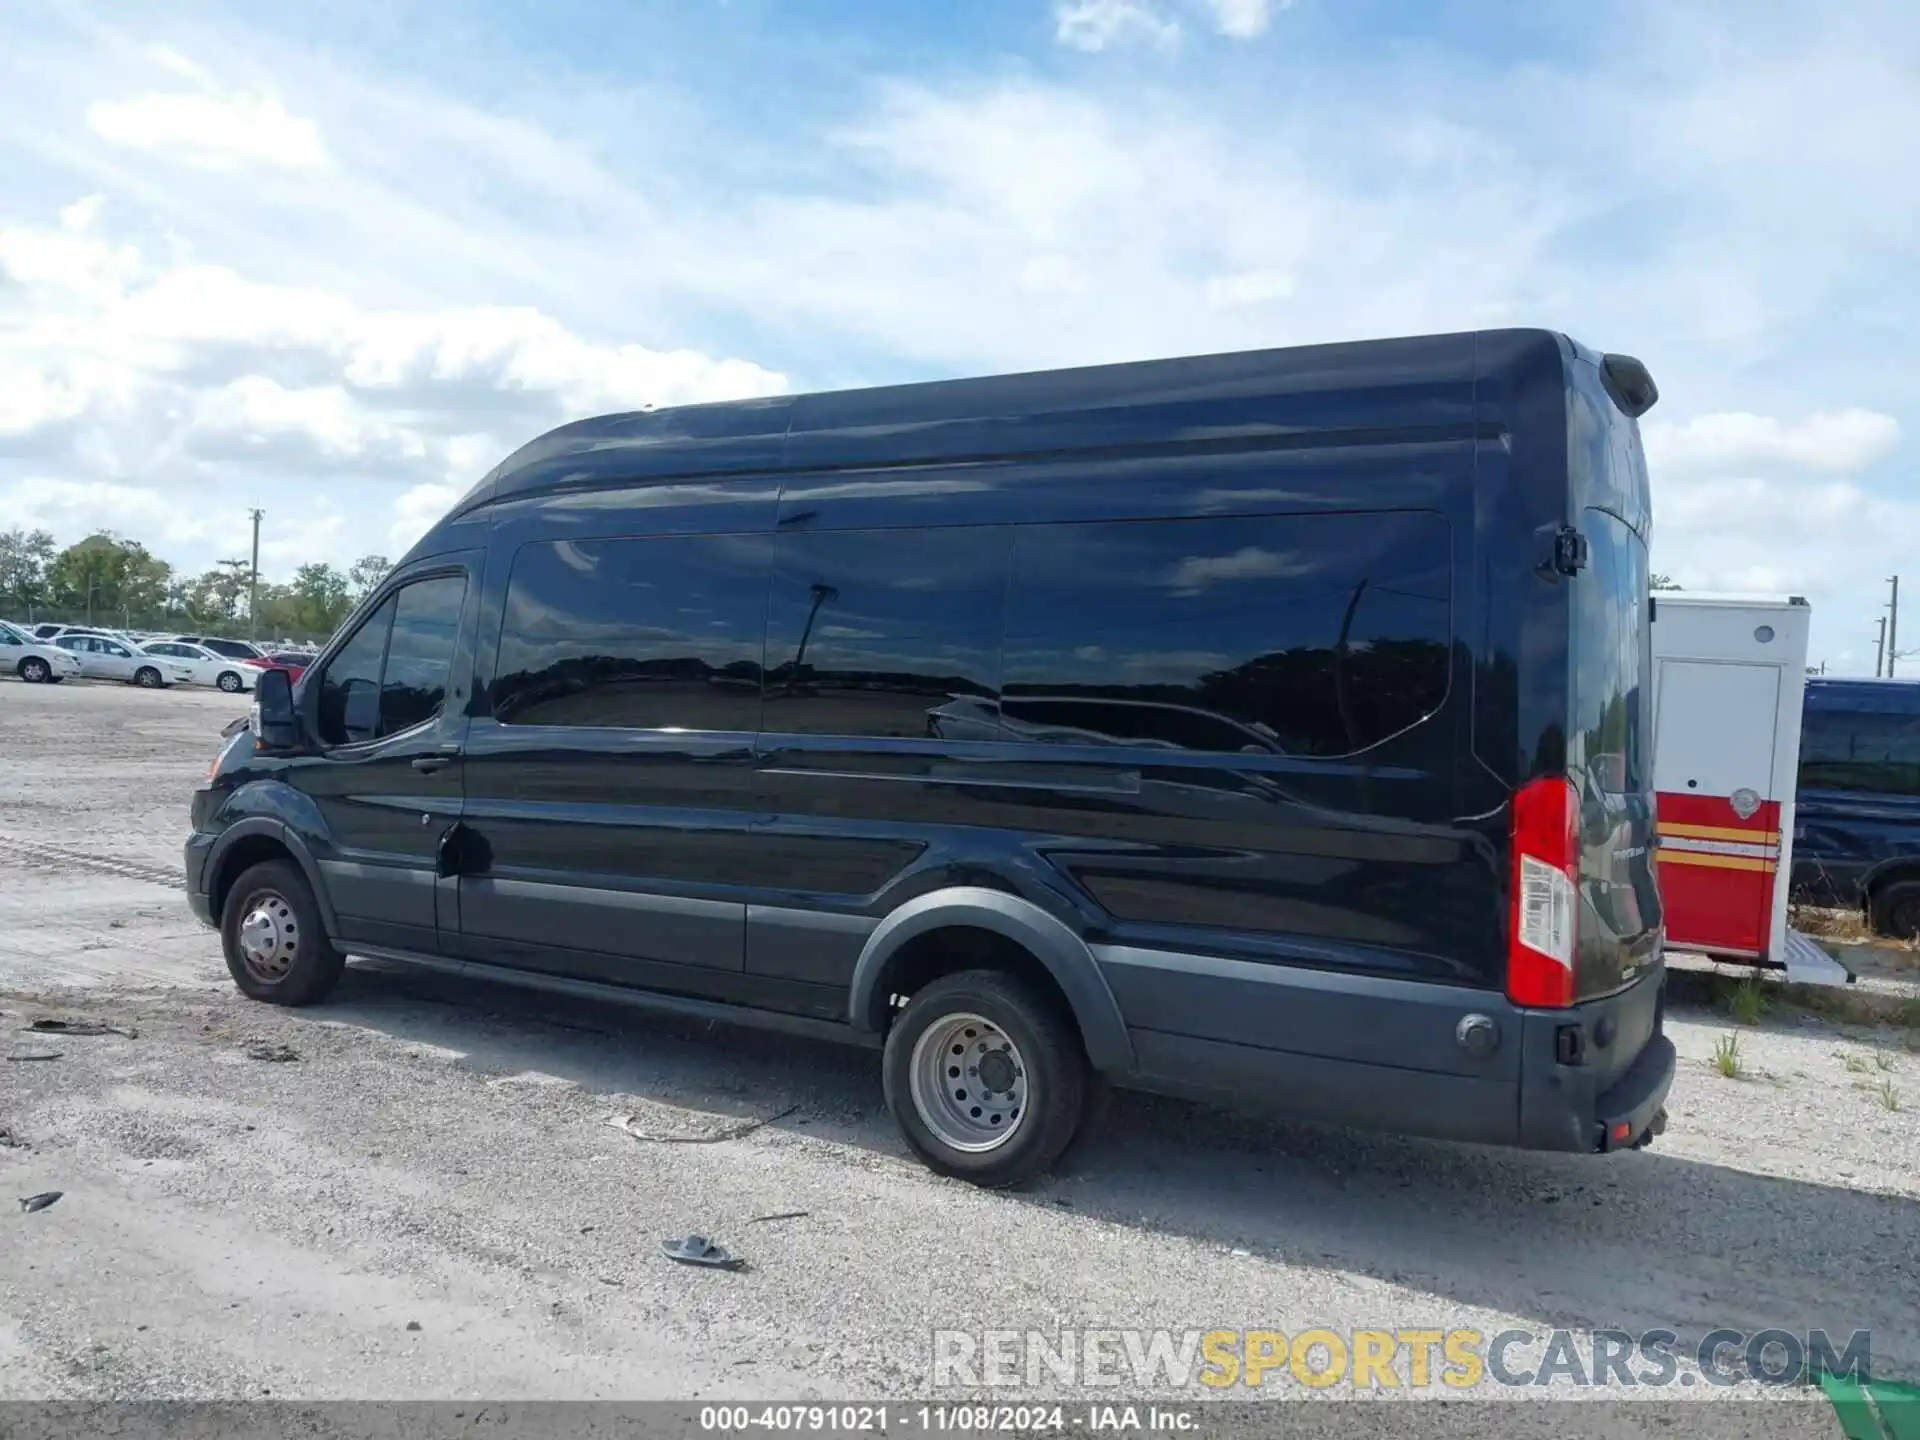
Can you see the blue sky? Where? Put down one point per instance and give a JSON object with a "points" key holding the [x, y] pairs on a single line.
{"points": [[334, 260]]}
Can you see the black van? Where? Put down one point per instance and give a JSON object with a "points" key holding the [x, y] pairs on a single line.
{"points": [[1856, 818], [1267, 727]]}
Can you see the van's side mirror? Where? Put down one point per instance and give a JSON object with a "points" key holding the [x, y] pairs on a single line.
{"points": [[362, 710], [275, 724]]}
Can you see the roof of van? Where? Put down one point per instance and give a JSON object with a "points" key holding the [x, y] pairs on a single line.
{"points": [[1416, 382], [1834, 692]]}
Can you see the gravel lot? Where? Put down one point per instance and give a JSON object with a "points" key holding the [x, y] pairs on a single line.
{"points": [[429, 1201]]}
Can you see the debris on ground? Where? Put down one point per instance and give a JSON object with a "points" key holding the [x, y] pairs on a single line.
{"points": [[60, 1025], [698, 1250], [624, 1123], [37, 1055], [11, 1141], [781, 1215], [40, 1201], [413, 1324], [275, 1054]]}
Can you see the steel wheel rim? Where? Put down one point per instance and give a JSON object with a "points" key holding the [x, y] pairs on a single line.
{"points": [[969, 1083], [269, 937], [230, 683], [35, 670], [148, 679]]}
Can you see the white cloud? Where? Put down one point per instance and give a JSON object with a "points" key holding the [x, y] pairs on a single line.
{"points": [[1254, 287], [1838, 442], [1096, 25], [210, 131], [415, 512], [161, 397], [1243, 19]]}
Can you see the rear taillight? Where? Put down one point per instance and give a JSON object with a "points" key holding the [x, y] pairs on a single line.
{"points": [[1540, 930]]}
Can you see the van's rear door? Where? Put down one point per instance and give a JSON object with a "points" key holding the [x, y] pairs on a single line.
{"points": [[1610, 753]]}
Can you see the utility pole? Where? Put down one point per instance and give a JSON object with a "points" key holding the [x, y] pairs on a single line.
{"points": [[1893, 625], [253, 580], [1880, 649]]}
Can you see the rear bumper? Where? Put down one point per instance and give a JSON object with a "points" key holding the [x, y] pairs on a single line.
{"points": [[1598, 1103]]}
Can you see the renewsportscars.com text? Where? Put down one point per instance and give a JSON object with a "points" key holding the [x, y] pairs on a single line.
{"points": [[1407, 1358]]}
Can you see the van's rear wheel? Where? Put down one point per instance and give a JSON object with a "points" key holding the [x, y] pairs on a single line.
{"points": [[275, 941], [1895, 910], [986, 1080]]}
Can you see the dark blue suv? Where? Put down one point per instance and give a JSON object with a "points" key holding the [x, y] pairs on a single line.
{"points": [[1856, 834]]}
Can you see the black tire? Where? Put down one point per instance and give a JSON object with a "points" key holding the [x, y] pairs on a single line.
{"points": [[229, 683], [312, 965], [148, 678], [1055, 1075], [35, 671], [1895, 909]]}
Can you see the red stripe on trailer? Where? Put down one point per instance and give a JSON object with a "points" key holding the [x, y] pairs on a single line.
{"points": [[1718, 891], [1690, 808]]}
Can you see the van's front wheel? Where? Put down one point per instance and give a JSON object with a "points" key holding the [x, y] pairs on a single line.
{"points": [[985, 1079], [275, 941]]}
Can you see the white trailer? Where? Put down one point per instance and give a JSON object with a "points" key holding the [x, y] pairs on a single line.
{"points": [[1729, 676]]}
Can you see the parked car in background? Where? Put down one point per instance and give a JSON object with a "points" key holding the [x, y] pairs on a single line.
{"points": [[294, 662], [220, 645], [34, 660], [1856, 842], [209, 668], [104, 658]]}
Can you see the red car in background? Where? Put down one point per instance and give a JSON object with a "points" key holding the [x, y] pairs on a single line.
{"points": [[294, 662]]}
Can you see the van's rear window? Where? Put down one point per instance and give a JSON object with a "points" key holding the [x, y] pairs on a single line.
{"points": [[1612, 656]]}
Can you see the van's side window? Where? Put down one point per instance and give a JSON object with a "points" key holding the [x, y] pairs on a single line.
{"points": [[413, 686], [1875, 753], [347, 712], [392, 673], [882, 632], [663, 632], [1291, 634]]}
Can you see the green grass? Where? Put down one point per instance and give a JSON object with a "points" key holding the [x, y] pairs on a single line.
{"points": [[1888, 1097], [1748, 1002], [1726, 1056]]}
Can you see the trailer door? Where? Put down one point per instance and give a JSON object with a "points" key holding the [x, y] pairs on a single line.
{"points": [[1719, 817]]}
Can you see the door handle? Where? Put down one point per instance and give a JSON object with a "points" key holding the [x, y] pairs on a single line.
{"points": [[427, 764]]}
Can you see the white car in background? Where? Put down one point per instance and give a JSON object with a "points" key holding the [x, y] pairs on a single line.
{"points": [[231, 676], [35, 661], [104, 658]]}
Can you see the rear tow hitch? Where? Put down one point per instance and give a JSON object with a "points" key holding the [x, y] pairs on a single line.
{"points": [[1657, 1126]]}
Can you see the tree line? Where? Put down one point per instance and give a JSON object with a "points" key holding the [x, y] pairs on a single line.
{"points": [[106, 579]]}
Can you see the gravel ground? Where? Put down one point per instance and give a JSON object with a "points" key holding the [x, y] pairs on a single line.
{"points": [[429, 1202]]}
